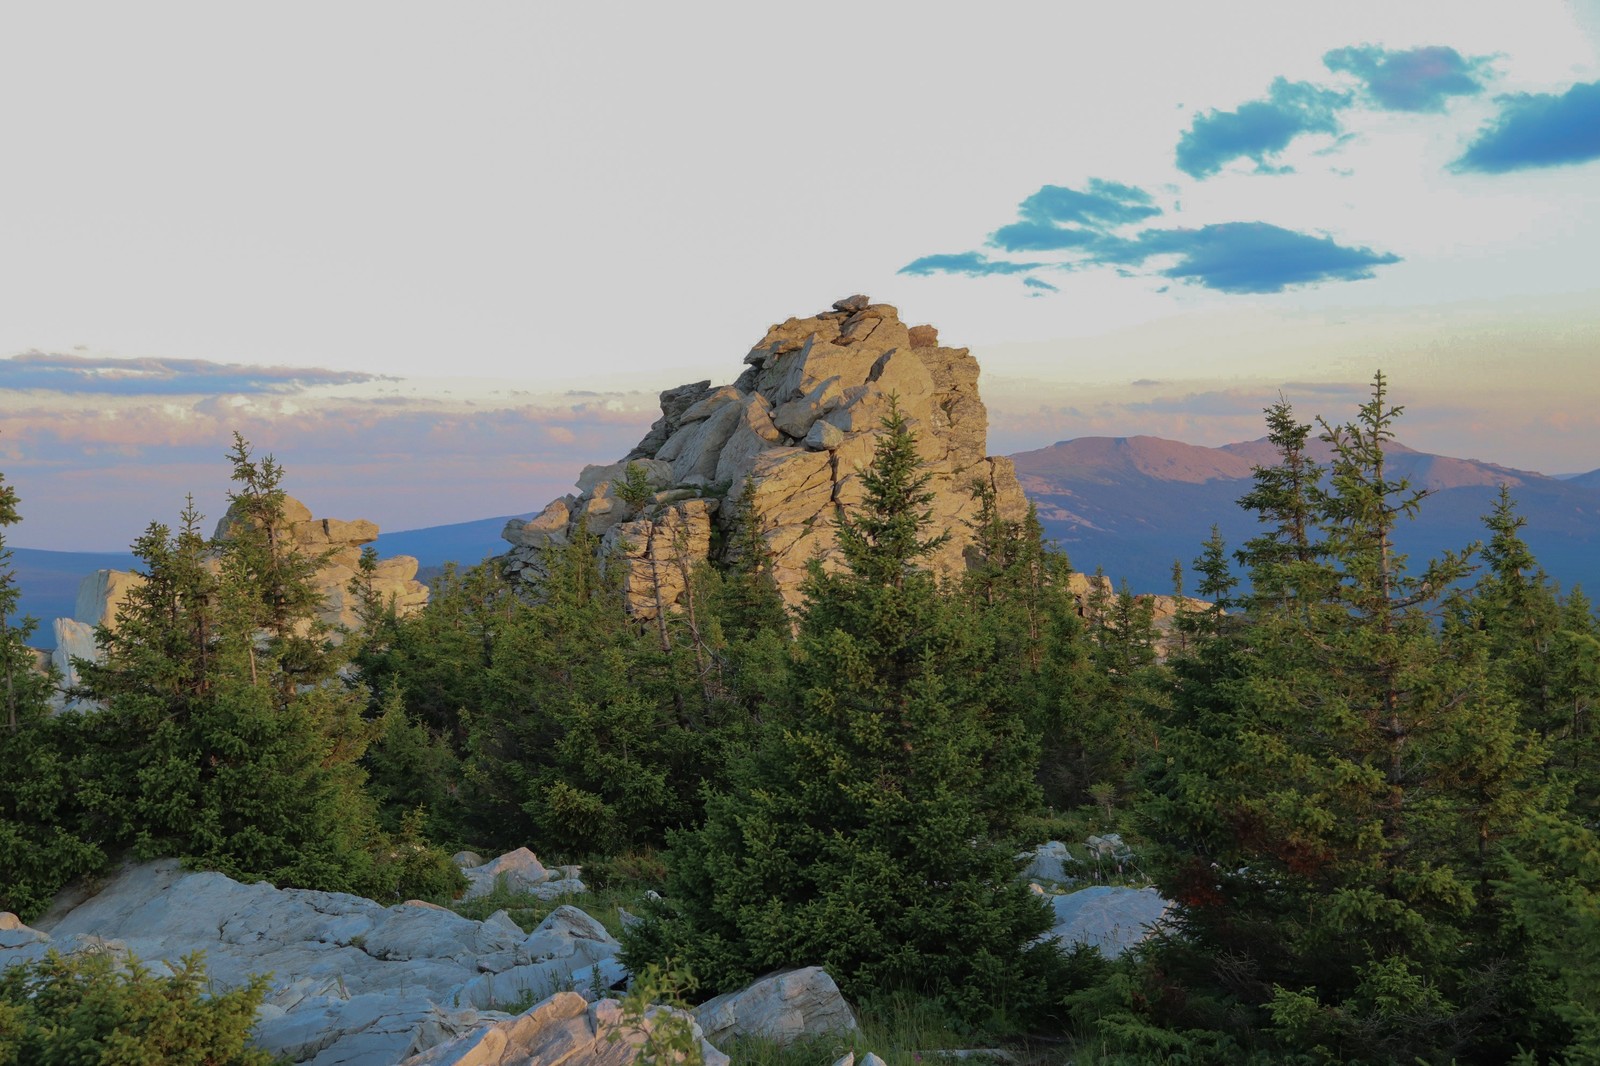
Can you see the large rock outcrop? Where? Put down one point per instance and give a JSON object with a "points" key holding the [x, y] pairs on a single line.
{"points": [[793, 431], [355, 983]]}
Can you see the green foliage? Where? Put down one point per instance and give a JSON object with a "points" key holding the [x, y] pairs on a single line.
{"points": [[1339, 781], [45, 840], [86, 1008], [226, 735], [885, 539], [593, 733], [1544, 648], [634, 488], [870, 830], [662, 1036]]}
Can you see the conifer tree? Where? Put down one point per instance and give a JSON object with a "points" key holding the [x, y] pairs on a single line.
{"points": [[1337, 784], [581, 739], [871, 833], [225, 735], [43, 838]]}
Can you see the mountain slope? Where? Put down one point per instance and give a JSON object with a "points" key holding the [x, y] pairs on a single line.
{"points": [[1132, 505], [463, 543]]}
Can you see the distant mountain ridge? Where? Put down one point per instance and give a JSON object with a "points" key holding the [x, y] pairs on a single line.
{"points": [[1128, 505], [1133, 505]]}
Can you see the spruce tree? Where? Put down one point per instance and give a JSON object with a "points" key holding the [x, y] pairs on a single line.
{"points": [[44, 837], [582, 739], [1339, 781], [226, 736], [872, 832]]}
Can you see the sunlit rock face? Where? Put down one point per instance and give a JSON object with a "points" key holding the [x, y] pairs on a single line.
{"points": [[793, 430]]}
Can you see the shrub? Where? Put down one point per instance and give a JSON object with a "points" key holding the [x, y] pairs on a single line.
{"points": [[85, 1008]]}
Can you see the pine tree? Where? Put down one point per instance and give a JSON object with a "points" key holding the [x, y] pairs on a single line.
{"points": [[582, 739], [871, 833], [1285, 497]]}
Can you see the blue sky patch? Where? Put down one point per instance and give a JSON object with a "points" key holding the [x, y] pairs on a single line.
{"points": [[1101, 204], [1057, 218], [1259, 129], [1538, 130], [1040, 237]]}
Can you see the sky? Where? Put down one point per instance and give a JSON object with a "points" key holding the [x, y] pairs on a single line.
{"points": [[435, 258]]}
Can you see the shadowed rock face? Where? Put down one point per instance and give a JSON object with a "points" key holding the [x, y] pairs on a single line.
{"points": [[793, 430]]}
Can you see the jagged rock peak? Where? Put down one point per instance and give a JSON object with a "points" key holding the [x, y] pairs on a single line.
{"points": [[793, 429]]}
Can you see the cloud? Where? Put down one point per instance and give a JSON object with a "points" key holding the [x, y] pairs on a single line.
{"points": [[972, 264], [1039, 284], [1040, 237], [1538, 130], [1058, 218], [1251, 257], [163, 377], [1259, 129], [1100, 205], [1418, 79], [94, 470]]}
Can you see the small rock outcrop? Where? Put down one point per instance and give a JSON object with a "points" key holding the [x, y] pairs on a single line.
{"points": [[793, 431], [564, 1029], [1107, 917], [781, 1007], [519, 871], [353, 980], [337, 543]]}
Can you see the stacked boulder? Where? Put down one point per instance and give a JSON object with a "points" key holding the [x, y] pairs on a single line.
{"points": [[100, 598], [336, 543], [785, 444]]}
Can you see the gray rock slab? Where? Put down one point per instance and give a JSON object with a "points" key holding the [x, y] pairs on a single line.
{"points": [[1107, 917]]}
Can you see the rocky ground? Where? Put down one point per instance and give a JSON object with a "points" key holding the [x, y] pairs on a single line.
{"points": [[355, 983]]}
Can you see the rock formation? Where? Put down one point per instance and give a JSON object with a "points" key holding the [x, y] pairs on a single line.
{"points": [[793, 431], [355, 982], [337, 543], [783, 1007]]}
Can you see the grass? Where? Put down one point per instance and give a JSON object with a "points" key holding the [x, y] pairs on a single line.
{"points": [[616, 884], [900, 1029]]}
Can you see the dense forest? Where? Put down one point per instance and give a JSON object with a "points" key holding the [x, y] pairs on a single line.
{"points": [[1371, 785]]}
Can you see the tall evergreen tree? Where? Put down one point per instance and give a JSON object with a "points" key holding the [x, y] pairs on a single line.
{"points": [[225, 735], [871, 833], [1339, 779], [44, 840]]}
